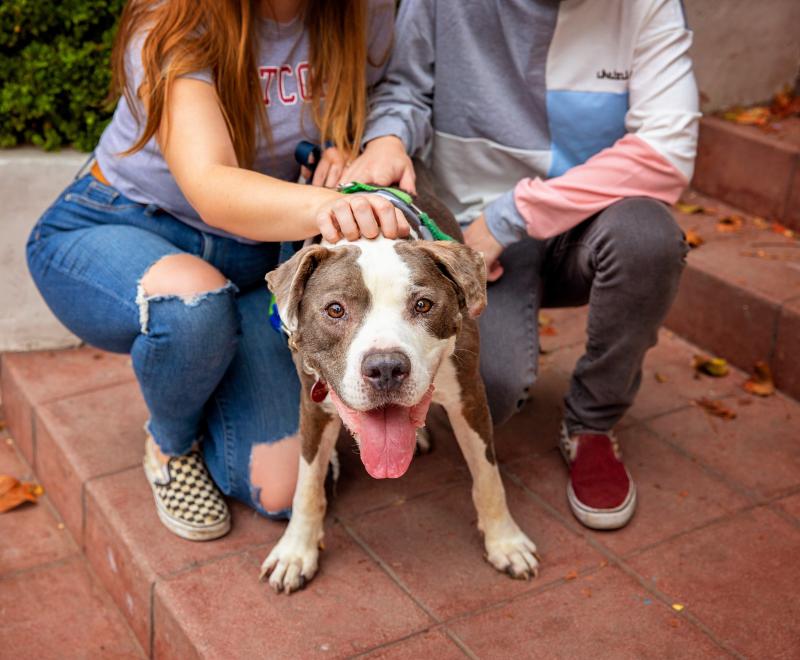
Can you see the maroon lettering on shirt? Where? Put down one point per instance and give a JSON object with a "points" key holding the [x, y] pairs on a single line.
{"points": [[284, 83]]}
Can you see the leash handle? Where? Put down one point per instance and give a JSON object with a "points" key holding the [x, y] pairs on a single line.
{"points": [[303, 153]]}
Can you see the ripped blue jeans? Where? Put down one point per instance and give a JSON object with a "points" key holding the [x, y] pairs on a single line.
{"points": [[210, 367]]}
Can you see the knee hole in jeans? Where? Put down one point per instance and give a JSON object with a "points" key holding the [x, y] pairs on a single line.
{"points": [[181, 275], [273, 473]]}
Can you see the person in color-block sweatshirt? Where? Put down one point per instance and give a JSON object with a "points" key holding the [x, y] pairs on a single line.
{"points": [[557, 132]]}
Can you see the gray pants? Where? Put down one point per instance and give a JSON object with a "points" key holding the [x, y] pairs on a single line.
{"points": [[625, 262]]}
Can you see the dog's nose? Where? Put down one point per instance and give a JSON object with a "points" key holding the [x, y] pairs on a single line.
{"points": [[386, 371]]}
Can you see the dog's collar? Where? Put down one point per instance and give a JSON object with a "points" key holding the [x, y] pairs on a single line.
{"points": [[421, 222]]}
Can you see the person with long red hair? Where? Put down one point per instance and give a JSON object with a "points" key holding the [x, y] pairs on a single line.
{"points": [[161, 250]]}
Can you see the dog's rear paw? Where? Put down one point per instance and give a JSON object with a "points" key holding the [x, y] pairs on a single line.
{"points": [[290, 565], [514, 553]]}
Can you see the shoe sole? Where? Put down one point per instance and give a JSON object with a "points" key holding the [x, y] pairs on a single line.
{"points": [[182, 529], [601, 518]]}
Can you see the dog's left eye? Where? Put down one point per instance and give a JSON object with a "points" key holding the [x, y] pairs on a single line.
{"points": [[423, 306], [335, 310]]}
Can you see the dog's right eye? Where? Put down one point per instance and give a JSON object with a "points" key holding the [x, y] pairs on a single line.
{"points": [[335, 310]]}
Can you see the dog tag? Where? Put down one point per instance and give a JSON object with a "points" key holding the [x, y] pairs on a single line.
{"points": [[319, 391]]}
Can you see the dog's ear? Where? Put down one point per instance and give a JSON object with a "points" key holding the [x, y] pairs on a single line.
{"points": [[288, 281], [465, 268]]}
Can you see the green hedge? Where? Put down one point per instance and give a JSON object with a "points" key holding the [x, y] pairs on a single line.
{"points": [[54, 71]]}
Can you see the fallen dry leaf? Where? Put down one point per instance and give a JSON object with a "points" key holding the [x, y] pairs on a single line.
{"points": [[572, 575], [730, 223], [14, 492], [546, 327], [784, 104], [715, 407], [693, 239], [778, 228], [756, 116], [660, 378], [761, 383], [759, 222], [689, 209], [711, 366], [587, 592]]}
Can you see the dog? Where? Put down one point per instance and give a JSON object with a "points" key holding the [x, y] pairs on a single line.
{"points": [[378, 330]]}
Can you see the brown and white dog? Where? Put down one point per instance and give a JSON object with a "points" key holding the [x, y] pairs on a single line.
{"points": [[379, 329]]}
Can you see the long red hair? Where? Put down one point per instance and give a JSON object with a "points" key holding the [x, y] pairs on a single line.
{"points": [[185, 36]]}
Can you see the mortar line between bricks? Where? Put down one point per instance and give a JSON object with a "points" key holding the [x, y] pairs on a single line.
{"points": [[531, 593], [397, 641], [461, 644], [386, 569], [84, 496], [366, 548], [88, 390], [167, 577], [110, 602], [45, 566], [152, 617], [788, 517], [719, 520], [394, 642], [382, 507], [82, 559], [34, 442], [541, 584], [773, 340], [788, 197], [626, 568], [712, 472], [45, 499]]}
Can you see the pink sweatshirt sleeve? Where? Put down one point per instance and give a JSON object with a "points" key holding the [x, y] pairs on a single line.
{"points": [[654, 159], [630, 168]]}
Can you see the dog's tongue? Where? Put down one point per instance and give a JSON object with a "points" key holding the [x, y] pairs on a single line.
{"points": [[387, 435]]}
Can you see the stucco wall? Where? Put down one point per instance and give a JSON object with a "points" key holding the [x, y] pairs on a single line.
{"points": [[29, 181], [744, 51]]}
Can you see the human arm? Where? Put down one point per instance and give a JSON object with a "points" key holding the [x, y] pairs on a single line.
{"points": [[198, 150], [399, 121], [654, 159]]}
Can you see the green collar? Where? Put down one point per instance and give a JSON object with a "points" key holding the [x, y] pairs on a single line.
{"points": [[403, 201]]}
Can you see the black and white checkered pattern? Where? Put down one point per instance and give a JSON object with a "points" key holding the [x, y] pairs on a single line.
{"points": [[190, 494]]}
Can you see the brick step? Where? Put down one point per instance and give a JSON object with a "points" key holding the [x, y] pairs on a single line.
{"points": [[740, 293], [755, 169], [402, 573], [54, 606]]}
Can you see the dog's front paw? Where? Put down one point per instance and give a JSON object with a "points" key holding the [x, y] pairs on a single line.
{"points": [[511, 551], [290, 565]]}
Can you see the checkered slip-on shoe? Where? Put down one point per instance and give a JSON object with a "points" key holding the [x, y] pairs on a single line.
{"points": [[187, 500], [601, 492]]}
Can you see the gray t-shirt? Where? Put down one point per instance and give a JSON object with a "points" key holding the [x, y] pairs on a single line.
{"points": [[283, 73]]}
